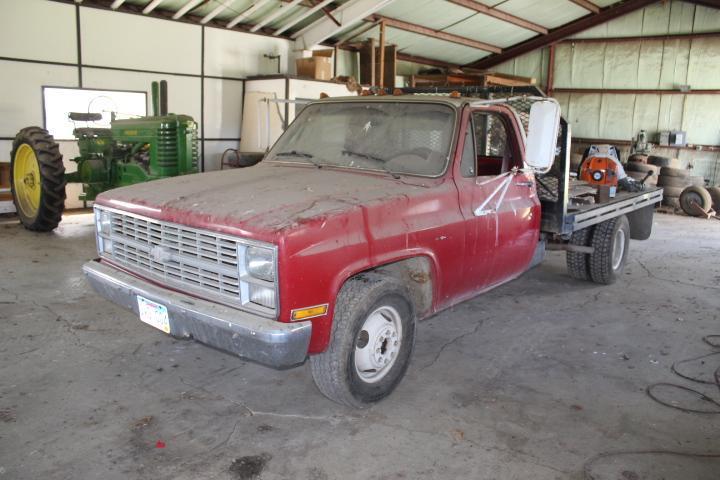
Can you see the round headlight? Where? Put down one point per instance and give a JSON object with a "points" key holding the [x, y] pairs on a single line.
{"points": [[259, 263]]}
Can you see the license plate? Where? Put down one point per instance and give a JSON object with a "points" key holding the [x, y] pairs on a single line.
{"points": [[153, 314]]}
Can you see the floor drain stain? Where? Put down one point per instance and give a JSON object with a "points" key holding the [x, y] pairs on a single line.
{"points": [[251, 466]]}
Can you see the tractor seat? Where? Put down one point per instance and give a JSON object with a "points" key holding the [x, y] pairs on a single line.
{"points": [[85, 117]]}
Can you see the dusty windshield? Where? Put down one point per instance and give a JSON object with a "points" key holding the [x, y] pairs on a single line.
{"points": [[398, 137]]}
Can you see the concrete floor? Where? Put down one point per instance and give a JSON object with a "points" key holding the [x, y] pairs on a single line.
{"points": [[529, 381]]}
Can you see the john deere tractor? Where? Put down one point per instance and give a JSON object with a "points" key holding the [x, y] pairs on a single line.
{"points": [[130, 151]]}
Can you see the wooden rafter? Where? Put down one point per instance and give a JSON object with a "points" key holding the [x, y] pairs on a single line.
{"points": [[565, 31], [438, 34], [587, 5], [500, 15]]}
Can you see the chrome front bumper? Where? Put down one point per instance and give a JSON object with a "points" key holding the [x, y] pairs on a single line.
{"points": [[268, 342]]}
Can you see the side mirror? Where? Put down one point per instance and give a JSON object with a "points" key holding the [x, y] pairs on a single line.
{"points": [[542, 134]]}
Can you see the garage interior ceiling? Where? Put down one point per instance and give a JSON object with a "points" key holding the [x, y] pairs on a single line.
{"points": [[444, 33]]}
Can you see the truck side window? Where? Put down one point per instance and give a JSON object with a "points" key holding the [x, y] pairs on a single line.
{"points": [[493, 152], [469, 159]]}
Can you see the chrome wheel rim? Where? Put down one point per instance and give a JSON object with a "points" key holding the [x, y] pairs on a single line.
{"points": [[378, 344], [618, 249]]}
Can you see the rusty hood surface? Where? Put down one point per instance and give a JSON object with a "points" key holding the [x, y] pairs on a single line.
{"points": [[261, 201]]}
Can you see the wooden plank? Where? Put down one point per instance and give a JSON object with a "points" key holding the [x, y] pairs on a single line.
{"points": [[587, 5], [440, 35], [367, 62], [381, 59]]}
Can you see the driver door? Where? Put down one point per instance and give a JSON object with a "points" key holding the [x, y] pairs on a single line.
{"points": [[501, 210]]}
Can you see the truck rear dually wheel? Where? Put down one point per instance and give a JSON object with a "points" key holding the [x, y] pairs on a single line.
{"points": [[611, 242], [577, 262], [373, 335]]}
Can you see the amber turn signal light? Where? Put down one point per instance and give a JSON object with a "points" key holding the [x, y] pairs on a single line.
{"points": [[310, 312]]}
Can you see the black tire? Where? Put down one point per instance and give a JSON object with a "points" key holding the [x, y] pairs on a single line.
{"points": [[640, 176], [659, 161], [638, 158], [698, 195], [697, 180], [334, 370], [677, 182], [641, 167], [669, 201], [673, 191], [715, 195], [52, 179], [674, 172], [577, 263], [607, 262]]}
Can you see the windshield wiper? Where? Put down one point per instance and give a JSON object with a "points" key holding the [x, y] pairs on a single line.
{"points": [[379, 160], [295, 153]]}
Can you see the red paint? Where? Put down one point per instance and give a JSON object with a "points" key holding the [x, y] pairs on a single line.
{"points": [[159, 444], [329, 224]]}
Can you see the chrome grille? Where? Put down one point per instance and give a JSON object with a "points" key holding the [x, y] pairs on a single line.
{"points": [[174, 254]]}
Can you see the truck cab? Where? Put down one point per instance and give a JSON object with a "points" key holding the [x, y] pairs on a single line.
{"points": [[368, 214]]}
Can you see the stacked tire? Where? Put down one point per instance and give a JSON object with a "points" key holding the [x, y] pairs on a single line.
{"points": [[674, 181], [639, 172]]}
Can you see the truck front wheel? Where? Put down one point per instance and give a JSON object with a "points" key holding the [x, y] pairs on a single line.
{"points": [[611, 242], [373, 335]]}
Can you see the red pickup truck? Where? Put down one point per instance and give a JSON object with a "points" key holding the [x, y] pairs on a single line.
{"points": [[367, 215]]}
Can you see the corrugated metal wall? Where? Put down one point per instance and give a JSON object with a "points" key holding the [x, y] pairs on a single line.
{"points": [[649, 64]]}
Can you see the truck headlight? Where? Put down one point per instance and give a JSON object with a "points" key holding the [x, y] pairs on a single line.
{"points": [[257, 265], [260, 263], [262, 295], [103, 221], [103, 231], [105, 245]]}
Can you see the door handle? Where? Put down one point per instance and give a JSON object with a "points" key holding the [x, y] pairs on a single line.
{"points": [[524, 184]]}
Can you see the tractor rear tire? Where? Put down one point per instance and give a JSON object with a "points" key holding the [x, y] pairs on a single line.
{"points": [[37, 179], [577, 263], [698, 195], [611, 242]]}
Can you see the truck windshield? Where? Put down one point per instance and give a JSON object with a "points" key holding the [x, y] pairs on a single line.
{"points": [[397, 137]]}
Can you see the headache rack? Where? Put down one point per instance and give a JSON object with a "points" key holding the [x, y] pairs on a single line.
{"points": [[553, 187]]}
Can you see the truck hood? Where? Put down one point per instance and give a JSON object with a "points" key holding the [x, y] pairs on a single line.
{"points": [[260, 201]]}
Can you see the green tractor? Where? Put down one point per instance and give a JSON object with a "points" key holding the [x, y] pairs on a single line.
{"points": [[130, 151]]}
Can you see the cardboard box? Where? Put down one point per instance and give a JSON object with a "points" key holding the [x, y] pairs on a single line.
{"points": [[319, 66]]}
